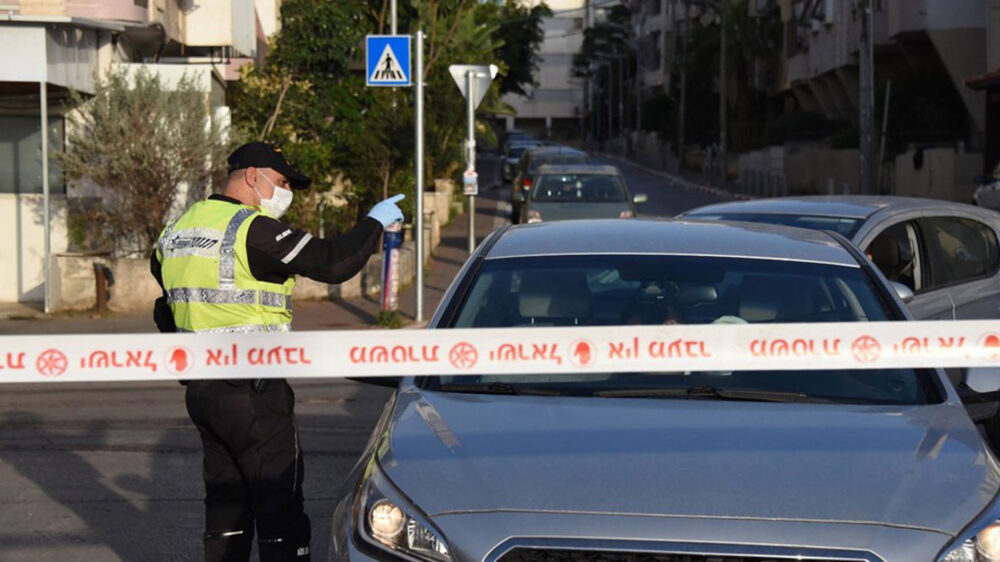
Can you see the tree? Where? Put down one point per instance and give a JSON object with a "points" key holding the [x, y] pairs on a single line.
{"points": [[138, 142], [521, 32], [310, 98]]}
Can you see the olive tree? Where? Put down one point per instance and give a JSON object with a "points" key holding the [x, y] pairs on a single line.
{"points": [[144, 150]]}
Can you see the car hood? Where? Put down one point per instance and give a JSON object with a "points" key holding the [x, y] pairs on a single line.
{"points": [[921, 467], [564, 211]]}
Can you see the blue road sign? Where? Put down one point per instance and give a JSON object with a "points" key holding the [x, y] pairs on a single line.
{"points": [[388, 60]]}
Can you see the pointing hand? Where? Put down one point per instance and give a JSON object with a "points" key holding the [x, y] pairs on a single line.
{"points": [[386, 212]]}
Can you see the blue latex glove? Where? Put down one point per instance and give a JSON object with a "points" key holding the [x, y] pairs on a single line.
{"points": [[386, 212]]}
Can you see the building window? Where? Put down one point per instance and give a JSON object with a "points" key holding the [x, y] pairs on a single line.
{"points": [[142, 3], [21, 154]]}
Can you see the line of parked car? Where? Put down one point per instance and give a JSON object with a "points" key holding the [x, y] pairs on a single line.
{"points": [[876, 465], [553, 182]]}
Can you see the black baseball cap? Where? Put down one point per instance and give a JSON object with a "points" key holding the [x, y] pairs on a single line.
{"points": [[264, 155]]}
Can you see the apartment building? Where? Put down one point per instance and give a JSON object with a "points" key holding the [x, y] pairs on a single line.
{"points": [[926, 49], [554, 108], [50, 47]]}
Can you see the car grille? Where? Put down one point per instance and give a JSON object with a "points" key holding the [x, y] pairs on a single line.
{"points": [[555, 555]]}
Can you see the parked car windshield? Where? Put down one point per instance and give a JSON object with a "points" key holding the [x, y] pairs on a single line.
{"points": [[841, 225], [597, 290], [578, 188]]}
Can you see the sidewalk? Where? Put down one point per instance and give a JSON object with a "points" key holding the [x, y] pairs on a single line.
{"points": [[356, 313]]}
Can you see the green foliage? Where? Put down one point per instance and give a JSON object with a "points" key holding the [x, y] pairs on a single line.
{"points": [[139, 142], [391, 319], [310, 97], [521, 33]]}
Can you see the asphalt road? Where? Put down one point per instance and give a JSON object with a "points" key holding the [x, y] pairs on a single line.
{"points": [[100, 473]]}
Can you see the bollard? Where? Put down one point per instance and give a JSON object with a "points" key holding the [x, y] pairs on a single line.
{"points": [[392, 239], [103, 280]]}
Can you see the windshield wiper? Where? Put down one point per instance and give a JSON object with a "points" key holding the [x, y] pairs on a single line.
{"points": [[499, 388], [710, 392]]}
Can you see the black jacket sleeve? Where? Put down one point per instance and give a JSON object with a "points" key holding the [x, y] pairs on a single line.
{"points": [[276, 251]]}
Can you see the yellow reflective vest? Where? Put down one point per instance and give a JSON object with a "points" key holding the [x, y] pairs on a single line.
{"points": [[207, 278]]}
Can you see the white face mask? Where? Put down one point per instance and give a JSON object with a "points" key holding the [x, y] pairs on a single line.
{"points": [[279, 202]]}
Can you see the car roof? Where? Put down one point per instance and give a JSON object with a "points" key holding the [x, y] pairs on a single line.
{"points": [[847, 206], [550, 149], [593, 169], [670, 237]]}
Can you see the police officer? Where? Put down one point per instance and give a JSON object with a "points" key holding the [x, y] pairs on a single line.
{"points": [[228, 265]]}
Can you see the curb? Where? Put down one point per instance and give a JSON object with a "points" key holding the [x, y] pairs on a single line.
{"points": [[678, 180]]}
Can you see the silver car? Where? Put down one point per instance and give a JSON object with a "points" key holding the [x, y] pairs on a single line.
{"points": [[575, 191], [670, 467], [946, 253]]}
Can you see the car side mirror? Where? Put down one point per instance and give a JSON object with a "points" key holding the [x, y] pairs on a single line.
{"points": [[904, 293], [519, 197], [983, 380], [639, 198]]}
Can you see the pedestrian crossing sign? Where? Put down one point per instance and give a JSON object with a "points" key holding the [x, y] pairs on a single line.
{"points": [[388, 60]]}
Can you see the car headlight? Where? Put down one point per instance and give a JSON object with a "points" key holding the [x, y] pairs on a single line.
{"points": [[980, 542], [385, 519]]}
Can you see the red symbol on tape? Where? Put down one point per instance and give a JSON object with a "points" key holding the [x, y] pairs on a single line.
{"points": [[991, 345], [866, 349], [463, 355], [581, 353], [178, 360], [51, 363]]}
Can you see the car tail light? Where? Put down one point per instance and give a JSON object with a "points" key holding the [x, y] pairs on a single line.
{"points": [[526, 184], [534, 216], [626, 214]]}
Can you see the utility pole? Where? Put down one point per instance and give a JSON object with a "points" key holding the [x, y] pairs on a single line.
{"points": [[682, 110], [621, 96], [866, 102], [723, 117]]}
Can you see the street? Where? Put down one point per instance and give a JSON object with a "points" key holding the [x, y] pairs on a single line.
{"points": [[101, 473]]}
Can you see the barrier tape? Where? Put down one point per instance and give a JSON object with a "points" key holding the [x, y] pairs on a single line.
{"points": [[370, 353]]}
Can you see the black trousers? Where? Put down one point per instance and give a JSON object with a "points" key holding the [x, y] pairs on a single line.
{"points": [[252, 471]]}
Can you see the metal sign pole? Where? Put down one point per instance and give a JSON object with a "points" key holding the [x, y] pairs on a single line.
{"points": [[46, 199], [471, 100], [418, 230], [392, 15]]}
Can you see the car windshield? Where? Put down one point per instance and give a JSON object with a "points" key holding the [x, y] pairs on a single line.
{"points": [[598, 290], [578, 188], [841, 225]]}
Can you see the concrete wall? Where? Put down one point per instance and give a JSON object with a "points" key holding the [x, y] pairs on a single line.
{"points": [[944, 174], [22, 278]]}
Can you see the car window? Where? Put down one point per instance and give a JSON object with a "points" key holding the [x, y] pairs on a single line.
{"points": [[960, 249], [578, 188], [626, 289], [896, 252]]}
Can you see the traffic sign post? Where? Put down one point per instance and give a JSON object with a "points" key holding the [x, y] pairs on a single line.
{"points": [[473, 81]]}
